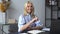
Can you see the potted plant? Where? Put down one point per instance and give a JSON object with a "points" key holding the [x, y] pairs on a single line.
{"points": [[4, 5]]}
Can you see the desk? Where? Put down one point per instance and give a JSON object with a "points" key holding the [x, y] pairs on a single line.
{"points": [[45, 33], [36, 32]]}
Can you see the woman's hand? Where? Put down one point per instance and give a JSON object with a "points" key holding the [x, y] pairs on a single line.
{"points": [[35, 19]]}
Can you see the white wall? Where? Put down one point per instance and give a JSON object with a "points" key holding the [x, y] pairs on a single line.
{"points": [[17, 7], [2, 18], [0, 1]]}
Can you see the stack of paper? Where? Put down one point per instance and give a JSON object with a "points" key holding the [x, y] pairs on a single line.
{"points": [[35, 31], [46, 29]]}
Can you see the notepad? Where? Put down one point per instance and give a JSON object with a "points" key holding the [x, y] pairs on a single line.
{"points": [[46, 29], [23, 33], [35, 31]]}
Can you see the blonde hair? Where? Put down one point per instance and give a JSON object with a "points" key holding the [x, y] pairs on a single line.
{"points": [[25, 12]]}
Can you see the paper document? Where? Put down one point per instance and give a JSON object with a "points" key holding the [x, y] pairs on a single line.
{"points": [[46, 29], [35, 31]]}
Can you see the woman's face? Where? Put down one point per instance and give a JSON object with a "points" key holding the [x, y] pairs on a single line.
{"points": [[29, 8]]}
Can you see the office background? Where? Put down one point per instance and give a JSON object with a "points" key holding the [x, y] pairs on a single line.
{"points": [[17, 8]]}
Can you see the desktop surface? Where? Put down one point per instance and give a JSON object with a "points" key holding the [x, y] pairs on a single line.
{"points": [[44, 33]]}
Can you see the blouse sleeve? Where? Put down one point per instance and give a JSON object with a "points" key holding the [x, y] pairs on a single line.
{"points": [[38, 23], [21, 22]]}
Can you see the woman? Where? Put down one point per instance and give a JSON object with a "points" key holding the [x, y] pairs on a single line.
{"points": [[28, 21]]}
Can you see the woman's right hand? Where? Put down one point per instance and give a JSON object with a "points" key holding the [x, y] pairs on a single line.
{"points": [[35, 19]]}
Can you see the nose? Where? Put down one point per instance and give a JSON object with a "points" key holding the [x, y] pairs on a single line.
{"points": [[30, 8]]}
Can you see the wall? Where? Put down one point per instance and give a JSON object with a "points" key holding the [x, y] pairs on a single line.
{"points": [[0, 0]]}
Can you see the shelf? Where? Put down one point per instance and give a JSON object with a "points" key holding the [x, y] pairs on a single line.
{"points": [[10, 24], [52, 12], [48, 19], [54, 8], [8, 27]]}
